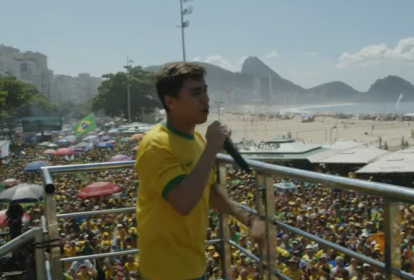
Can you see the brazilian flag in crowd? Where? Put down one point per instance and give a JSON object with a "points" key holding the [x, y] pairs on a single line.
{"points": [[84, 126]]}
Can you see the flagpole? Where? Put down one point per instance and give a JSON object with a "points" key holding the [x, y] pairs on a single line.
{"points": [[128, 90]]}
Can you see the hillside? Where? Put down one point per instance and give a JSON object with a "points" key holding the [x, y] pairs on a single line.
{"points": [[255, 67], [389, 89], [258, 82], [221, 80], [335, 92]]}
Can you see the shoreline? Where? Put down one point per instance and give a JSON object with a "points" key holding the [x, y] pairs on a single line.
{"points": [[303, 109]]}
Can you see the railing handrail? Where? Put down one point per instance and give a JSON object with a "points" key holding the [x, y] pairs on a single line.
{"points": [[95, 212], [392, 192], [17, 242], [117, 253]]}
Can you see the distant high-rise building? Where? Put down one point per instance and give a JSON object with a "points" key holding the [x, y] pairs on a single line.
{"points": [[33, 70], [77, 90], [31, 67], [8, 65]]}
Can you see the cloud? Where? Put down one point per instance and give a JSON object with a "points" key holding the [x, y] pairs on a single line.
{"points": [[374, 54], [219, 61], [272, 54], [242, 59]]}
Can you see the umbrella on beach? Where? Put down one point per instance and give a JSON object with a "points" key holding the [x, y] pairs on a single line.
{"points": [[63, 141], [49, 152], [99, 189], [10, 182], [106, 138], [137, 137], [124, 140], [44, 144], [22, 193], [36, 165], [82, 145], [119, 158], [117, 195], [105, 145], [76, 149], [52, 146], [65, 152]]}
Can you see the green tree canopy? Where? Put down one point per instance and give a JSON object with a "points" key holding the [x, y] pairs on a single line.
{"points": [[19, 99], [112, 94]]}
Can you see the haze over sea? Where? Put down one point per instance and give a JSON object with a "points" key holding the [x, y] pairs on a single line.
{"points": [[363, 108]]}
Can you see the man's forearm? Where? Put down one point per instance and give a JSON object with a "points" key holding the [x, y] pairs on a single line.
{"points": [[219, 201]]}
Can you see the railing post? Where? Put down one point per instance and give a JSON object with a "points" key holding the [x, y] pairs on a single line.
{"points": [[392, 242], [224, 227], [260, 189], [269, 194], [52, 223], [40, 255]]}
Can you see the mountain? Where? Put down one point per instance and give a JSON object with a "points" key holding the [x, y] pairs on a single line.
{"points": [[258, 83], [221, 80], [255, 67], [335, 92], [390, 88]]}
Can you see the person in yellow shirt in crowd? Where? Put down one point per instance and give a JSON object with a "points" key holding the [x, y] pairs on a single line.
{"points": [[84, 273], [131, 264], [177, 182], [293, 271]]}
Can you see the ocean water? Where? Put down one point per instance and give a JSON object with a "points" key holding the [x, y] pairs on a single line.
{"points": [[364, 108]]}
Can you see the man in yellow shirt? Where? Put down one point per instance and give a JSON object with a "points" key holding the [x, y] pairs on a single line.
{"points": [[177, 183]]}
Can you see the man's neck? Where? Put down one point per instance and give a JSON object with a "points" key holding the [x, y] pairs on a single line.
{"points": [[180, 125]]}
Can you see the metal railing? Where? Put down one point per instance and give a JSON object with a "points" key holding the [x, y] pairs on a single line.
{"points": [[265, 173], [15, 244]]}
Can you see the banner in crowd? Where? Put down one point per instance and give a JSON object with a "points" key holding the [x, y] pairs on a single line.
{"points": [[39, 124]]}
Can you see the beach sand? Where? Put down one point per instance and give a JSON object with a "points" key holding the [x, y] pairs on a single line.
{"points": [[321, 131]]}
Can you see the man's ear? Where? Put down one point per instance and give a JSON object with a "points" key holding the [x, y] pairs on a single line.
{"points": [[169, 101]]}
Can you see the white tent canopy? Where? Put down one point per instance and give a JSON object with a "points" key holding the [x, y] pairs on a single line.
{"points": [[396, 162], [4, 148], [348, 152]]}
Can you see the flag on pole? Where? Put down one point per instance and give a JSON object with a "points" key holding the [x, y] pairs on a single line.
{"points": [[119, 268], [86, 125]]}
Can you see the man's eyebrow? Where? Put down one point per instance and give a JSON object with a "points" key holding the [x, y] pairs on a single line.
{"points": [[197, 88]]}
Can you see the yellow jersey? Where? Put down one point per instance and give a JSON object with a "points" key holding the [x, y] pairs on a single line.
{"points": [[166, 238]]}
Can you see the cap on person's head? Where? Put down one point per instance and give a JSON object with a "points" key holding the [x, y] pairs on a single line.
{"points": [[293, 260], [324, 256]]}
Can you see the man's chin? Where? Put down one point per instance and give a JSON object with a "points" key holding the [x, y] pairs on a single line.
{"points": [[202, 120]]}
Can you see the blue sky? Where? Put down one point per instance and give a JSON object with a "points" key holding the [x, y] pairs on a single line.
{"points": [[306, 41]]}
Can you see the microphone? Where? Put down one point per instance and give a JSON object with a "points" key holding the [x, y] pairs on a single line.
{"points": [[232, 151]]}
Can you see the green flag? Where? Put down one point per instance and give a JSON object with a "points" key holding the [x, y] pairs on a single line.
{"points": [[84, 126], [339, 216]]}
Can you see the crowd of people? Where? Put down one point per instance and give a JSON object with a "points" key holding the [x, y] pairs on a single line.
{"points": [[348, 219]]}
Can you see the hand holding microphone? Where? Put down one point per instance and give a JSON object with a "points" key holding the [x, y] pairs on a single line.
{"points": [[218, 137], [216, 134]]}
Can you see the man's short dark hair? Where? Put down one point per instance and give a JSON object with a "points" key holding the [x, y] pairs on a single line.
{"points": [[171, 76]]}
